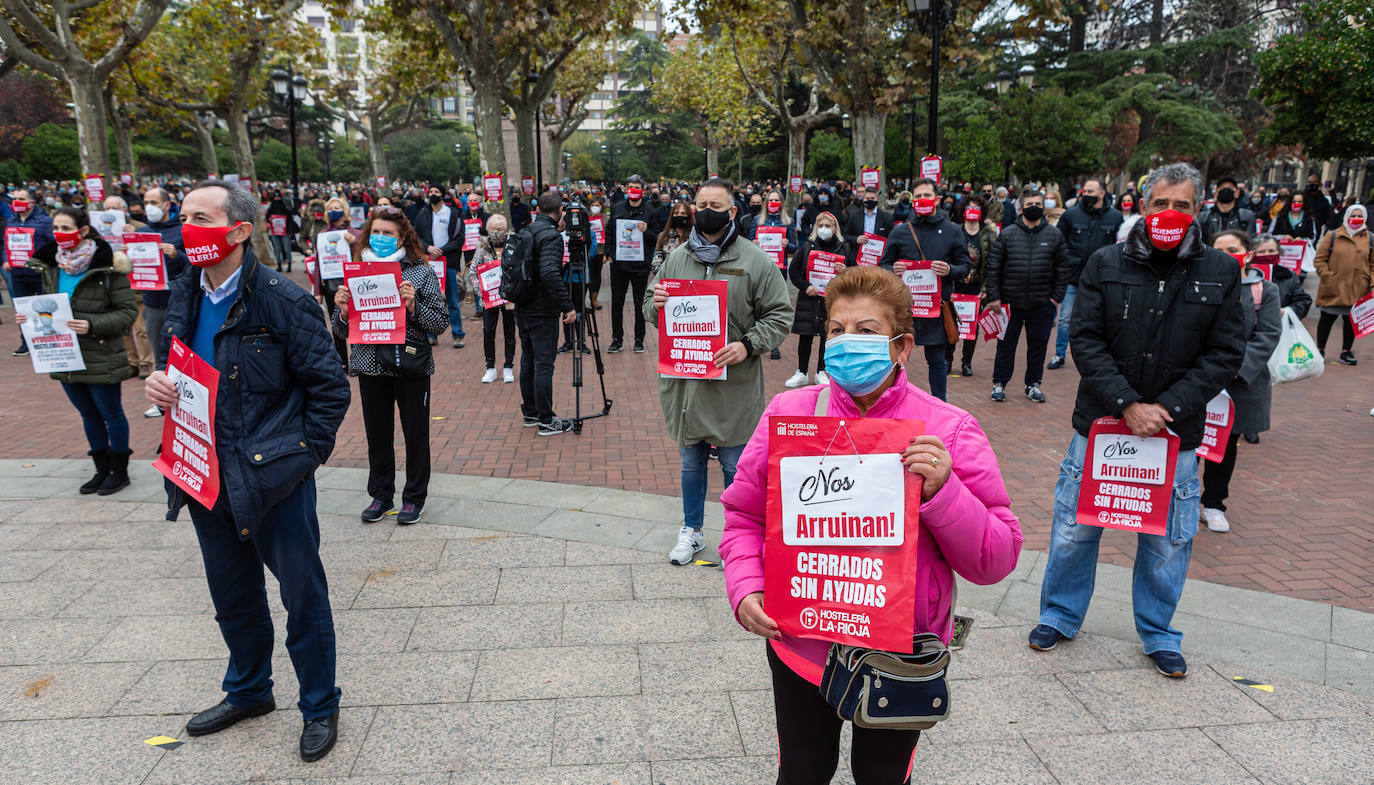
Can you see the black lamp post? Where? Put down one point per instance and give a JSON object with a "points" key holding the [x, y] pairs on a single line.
{"points": [[289, 88], [533, 79], [462, 162], [932, 16], [326, 145]]}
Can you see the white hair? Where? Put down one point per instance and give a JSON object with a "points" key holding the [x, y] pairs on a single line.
{"points": [[1173, 174]]}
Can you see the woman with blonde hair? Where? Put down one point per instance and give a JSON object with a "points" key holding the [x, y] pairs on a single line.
{"points": [[809, 321], [336, 219]]}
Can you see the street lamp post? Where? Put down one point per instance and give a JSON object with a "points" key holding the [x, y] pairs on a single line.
{"points": [[932, 16], [326, 144], [462, 162], [532, 79], [290, 90]]}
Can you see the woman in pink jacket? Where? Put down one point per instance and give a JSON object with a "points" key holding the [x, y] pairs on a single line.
{"points": [[966, 525]]}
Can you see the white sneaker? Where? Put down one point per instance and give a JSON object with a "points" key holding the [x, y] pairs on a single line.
{"points": [[489, 376], [1216, 520], [690, 542], [507, 375], [822, 377], [152, 412], [797, 379]]}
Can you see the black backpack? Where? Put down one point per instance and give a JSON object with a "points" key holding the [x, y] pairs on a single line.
{"points": [[519, 282]]}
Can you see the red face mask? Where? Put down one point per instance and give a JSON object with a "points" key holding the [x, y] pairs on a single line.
{"points": [[1167, 228], [1266, 258], [923, 206], [775, 207], [19, 206], [1239, 257], [1127, 204], [973, 214], [67, 240], [1296, 207], [319, 216], [206, 246], [634, 194], [1355, 222]]}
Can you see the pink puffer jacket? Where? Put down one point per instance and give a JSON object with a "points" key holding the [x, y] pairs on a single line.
{"points": [[966, 527]]}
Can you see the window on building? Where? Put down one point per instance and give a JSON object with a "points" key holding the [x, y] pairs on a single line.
{"points": [[316, 22], [450, 105], [471, 119], [346, 25]]}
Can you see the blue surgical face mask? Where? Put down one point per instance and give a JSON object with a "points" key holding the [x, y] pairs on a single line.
{"points": [[335, 216], [382, 244], [859, 364]]}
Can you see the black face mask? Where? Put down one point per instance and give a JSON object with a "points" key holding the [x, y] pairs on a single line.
{"points": [[1033, 212], [1088, 202], [679, 221], [870, 204], [905, 200], [755, 208], [1226, 195], [435, 198], [712, 221]]}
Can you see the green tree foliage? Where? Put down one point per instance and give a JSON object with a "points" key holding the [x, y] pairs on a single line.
{"points": [[273, 162], [347, 162], [1320, 83], [831, 157], [428, 156], [51, 153], [1048, 136], [12, 171], [975, 151]]}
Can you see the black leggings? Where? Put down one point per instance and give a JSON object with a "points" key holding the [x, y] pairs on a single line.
{"points": [[1216, 477], [490, 317], [804, 353], [809, 738], [1324, 324]]}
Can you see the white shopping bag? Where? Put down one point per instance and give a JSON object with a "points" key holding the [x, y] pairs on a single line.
{"points": [[1296, 356]]}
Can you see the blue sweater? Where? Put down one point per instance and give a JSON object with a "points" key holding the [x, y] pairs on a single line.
{"points": [[208, 321]]}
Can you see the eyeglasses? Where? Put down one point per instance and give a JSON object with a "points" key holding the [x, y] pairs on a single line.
{"points": [[386, 210]]}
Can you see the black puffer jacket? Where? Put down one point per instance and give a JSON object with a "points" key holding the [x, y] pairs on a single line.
{"points": [[551, 296], [1213, 220], [1291, 293], [810, 314], [1028, 267], [1175, 342], [1086, 231]]}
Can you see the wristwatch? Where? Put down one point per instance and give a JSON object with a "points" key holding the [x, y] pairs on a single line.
{"points": [[748, 346]]}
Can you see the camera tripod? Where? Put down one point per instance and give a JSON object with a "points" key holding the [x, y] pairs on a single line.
{"points": [[584, 329]]}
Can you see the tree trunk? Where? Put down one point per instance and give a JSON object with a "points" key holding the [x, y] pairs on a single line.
{"points": [[88, 101], [796, 163], [376, 151], [555, 160], [1156, 22], [712, 158], [119, 121], [242, 146], [487, 114], [204, 124], [1078, 29], [524, 142], [869, 143], [739, 164]]}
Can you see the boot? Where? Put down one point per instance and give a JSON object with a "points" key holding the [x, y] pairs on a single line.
{"points": [[118, 478], [596, 303], [102, 470]]}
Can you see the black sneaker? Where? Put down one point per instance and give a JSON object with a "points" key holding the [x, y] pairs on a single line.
{"points": [[1347, 358], [639, 348], [615, 347], [376, 510], [555, 427], [1033, 392], [1056, 362], [565, 348], [999, 393], [1170, 663], [458, 342], [22, 351], [966, 369], [530, 422], [584, 348], [1252, 438], [1044, 637], [410, 513]]}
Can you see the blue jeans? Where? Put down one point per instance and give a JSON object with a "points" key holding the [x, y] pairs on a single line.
{"points": [[1061, 337], [102, 415], [281, 246], [939, 369], [455, 301], [1161, 562], [22, 285], [694, 485]]}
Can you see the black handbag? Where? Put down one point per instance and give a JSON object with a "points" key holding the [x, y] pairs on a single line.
{"points": [[405, 359]]}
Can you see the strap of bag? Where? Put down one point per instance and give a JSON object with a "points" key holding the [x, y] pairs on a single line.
{"points": [[823, 401], [912, 229]]}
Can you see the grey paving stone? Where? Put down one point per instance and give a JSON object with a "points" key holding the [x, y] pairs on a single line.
{"points": [[1117, 699], [562, 584], [1350, 669], [16, 536], [1136, 759], [476, 736], [182, 687], [721, 623], [614, 774], [592, 527], [118, 534], [395, 556], [1352, 628], [1302, 752], [387, 589], [556, 672], [987, 620], [27, 565], [644, 727], [461, 486], [336, 528], [150, 597], [581, 554], [662, 581], [1003, 651], [10, 507], [733, 665], [39, 599], [486, 627], [475, 513], [32, 692], [756, 719], [1257, 609], [502, 550], [1009, 707], [1129, 653], [661, 538], [638, 621], [84, 751], [405, 678], [261, 748], [366, 631], [42, 467], [149, 638], [74, 511], [47, 641], [1295, 699], [40, 487], [110, 565], [982, 763], [984, 598], [640, 506], [433, 778], [761, 770], [430, 529], [552, 494]]}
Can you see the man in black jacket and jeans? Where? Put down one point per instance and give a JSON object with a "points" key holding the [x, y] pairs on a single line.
{"points": [[1157, 332], [1087, 226], [633, 214], [1028, 269], [538, 319]]}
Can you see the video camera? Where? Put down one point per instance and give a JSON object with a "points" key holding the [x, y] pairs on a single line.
{"points": [[579, 230]]}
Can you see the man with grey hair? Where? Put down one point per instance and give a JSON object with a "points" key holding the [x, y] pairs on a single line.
{"points": [[281, 397], [1157, 331]]}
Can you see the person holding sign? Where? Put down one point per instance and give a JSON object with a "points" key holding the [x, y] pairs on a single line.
{"points": [[719, 412], [930, 236], [1157, 331], [632, 229], [867, 219], [1251, 391], [484, 278], [29, 229], [815, 264], [157, 208], [81, 265], [281, 227], [281, 396], [958, 520], [333, 244], [1291, 293], [440, 228], [392, 377], [1345, 264], [978, 239]]}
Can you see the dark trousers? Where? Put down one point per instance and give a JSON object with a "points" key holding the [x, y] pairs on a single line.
{"points": [[1325, 321], [102, 415], [970, 344], [288, 542], [23, 284], [621, 279], [594, 275], [1038, 322], [804, 353], [938, 368], [380, 397], [809, 738], [340, 344], [538, 351], [153, 319], [1216, 477], [490, 317]]}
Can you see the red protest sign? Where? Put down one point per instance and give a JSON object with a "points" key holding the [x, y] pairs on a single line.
{"points": [[924, 286], [821, 267], [598, 225], [794, 183], [489, 283], [18, 245], [692, 328], [491, 185], [381, 181], [1128, 480], [440, 267], [126, 177], [1291, 253], [932, 167], [993, 322], [147, 272], [773, 241], [527, 186], [472, 233], [95, 189], [376, 313], [966, 309], [871, 247], [188, 455], [1216, 430], [869, 177], [278, 224], [841, 530], [1266, 270], [1362, 315]]}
